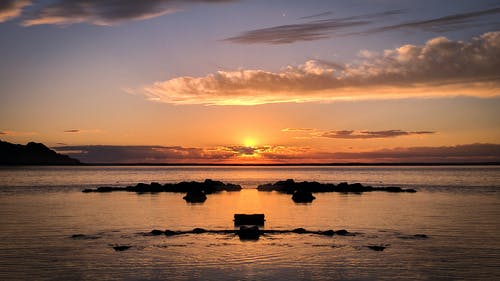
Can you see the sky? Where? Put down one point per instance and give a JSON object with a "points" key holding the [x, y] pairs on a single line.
{"points": [[250, 81]]}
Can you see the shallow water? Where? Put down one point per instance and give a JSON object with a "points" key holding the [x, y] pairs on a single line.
{"points": [[458, 208]]}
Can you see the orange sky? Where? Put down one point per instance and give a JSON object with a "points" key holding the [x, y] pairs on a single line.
{"points": [[253, 82]]}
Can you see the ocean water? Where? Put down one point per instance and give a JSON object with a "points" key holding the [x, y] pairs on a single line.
{"points": [[457, 207]]}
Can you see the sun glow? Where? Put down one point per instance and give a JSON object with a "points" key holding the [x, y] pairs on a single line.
{"points": [[249, 142]]}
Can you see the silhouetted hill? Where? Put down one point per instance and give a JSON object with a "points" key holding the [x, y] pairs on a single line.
{"points": [[32, 154]]}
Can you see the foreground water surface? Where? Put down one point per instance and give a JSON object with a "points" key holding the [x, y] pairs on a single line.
{"points": [[458, 208]]}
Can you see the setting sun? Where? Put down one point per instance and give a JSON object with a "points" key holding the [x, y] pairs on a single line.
{"points": [[249, 142]]}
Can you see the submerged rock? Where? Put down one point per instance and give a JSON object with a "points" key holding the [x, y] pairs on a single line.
{"points": [[378, 248], [157, 232], [195, 196], [121, 247], [208, 187], [290, 186], [299, 230], [199, 230], [249, 232], [249, 219], [302, 196]]}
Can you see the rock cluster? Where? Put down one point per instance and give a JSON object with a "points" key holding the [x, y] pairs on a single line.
{"points": [[206, 187], [290, 187]]}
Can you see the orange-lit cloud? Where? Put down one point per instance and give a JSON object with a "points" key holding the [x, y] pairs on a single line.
{"points": [[350, 134], [440, 67], [99, 12], [10, 9], [353, 134], [297, 129]]}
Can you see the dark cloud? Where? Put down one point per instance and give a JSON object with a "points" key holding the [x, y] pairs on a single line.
{"points": [[72, 131], [320, 29], [243, 150], [319, 15], [468, 153], [440, 67], [2, 133], [313, 30], [446, 23], [105, 12], [148, 154], [346, 134], [10, 9]]}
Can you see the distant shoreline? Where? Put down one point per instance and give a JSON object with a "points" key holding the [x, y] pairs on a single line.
{"points": [[266, 165]]}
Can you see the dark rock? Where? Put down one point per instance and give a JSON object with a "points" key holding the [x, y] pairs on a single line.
{"points": [[199, 230], [290, 187], [379, 248], [249, 232], [195, 196], [207, 187], [299, 230], [170, 232], [104, 189], [84, 237], [302, 196], [248, 219], [157, 232], [121, 248], [342, 232], [327, 232]]}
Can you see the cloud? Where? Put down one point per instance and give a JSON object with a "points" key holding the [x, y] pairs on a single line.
{"points": [[297, 129], [467, 153], [349, 134], [159, 154], [326, 28], [16, 133], [309, 31], [99, 12], [78, 131], [319, 15], [445, 23], [10, 9], [440, 67]]}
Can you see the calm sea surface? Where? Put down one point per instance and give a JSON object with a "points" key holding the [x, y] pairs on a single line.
{"points": [[458, 208]]}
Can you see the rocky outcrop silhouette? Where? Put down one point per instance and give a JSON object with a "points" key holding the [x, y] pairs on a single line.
{"points": [[290, 187], [32, 154], [302, 196], [195, 196], [207, 187]]}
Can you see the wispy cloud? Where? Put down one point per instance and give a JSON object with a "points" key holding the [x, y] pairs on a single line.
{"points": [[313, 30], [479, 152], [79, 131], [297, 129], [99, 12], [326, 28], [278, 154], [350, 134], [10, 9], [440, 67], [445, 23], [16, 133], [318, 15]]}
